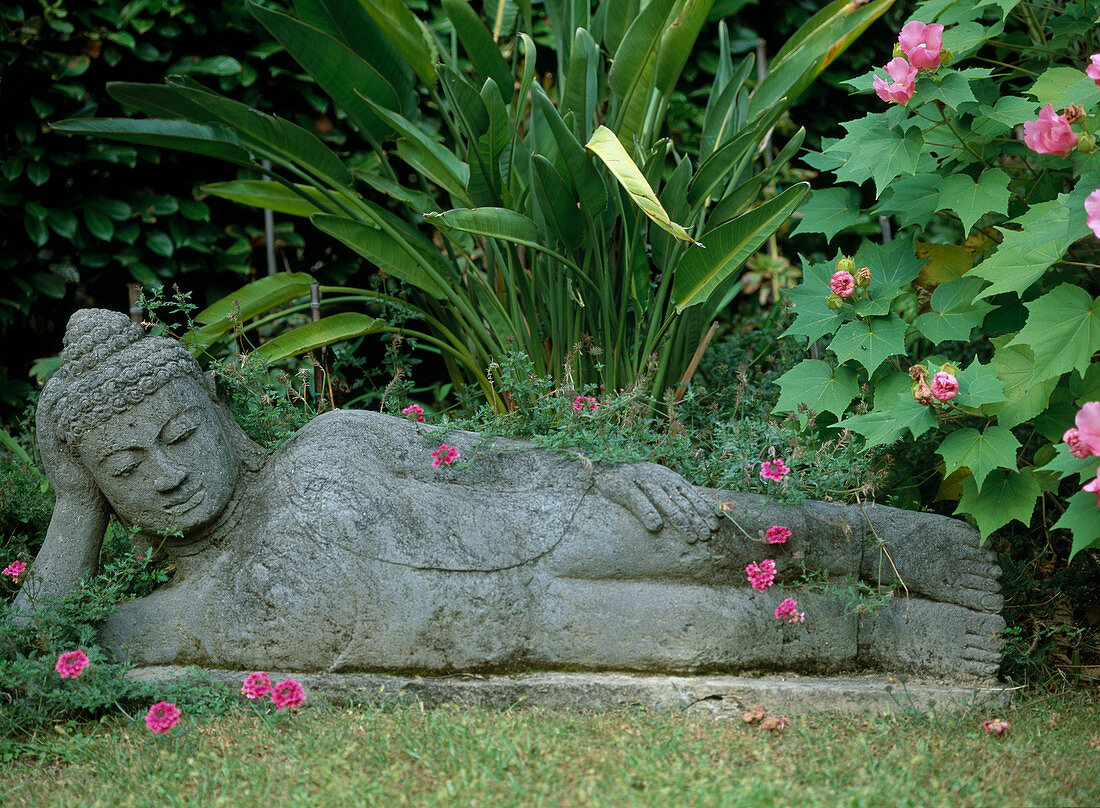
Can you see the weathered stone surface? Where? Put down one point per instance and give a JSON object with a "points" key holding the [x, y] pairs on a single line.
{"points": [[345, 550], [716, 696]]}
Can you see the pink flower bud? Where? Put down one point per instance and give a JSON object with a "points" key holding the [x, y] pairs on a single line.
{"points": [[842, 283], [922, 44], [944, 386], [1072, 438], [904, 76], [1051, 134]]}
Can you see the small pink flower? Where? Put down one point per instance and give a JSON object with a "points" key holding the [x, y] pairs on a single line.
{"points": [[1072, 438], [842, 283], [1088, 426], [944, 386], [922, 44], [162, 717], [1092, 212], [1094, 487], [71, 664], [774, 470], [414, 410], [998, 727], [1051, 134], [15, 569], [256, 685], [287, 693], [1093, 70], [445, 455], [580, 402], [761, 575], [788, 610], [904, 76], [777, 534]]}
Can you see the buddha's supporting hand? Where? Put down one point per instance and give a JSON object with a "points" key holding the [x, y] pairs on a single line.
{"points": [[659, 496]]}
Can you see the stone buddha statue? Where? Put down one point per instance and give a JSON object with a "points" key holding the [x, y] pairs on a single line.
{"points": [[347, 550]]}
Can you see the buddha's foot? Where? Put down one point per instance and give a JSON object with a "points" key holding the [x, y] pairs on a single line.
{"points": [[937, 558], [920, 636]]}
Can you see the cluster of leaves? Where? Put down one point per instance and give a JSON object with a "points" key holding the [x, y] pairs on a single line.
{"points": [[990, 272], [512, 264], [82, 218], [718, 435]]}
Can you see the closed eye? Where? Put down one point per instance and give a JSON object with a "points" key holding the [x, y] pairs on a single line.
{"points": [[182, 436]]}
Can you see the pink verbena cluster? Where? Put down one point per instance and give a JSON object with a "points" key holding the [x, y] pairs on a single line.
{"points": [[256, 685], [71, 664], [582, 402], [445, 455], [777, 534], [774, 470], [923, 48], [415, 412], [162, 717], [15, 569], [761, 575], [287, 693], [788, 610], [998, 727]]}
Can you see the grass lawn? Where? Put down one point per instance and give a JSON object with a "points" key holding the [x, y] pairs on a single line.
{"points": [[458, 756]]}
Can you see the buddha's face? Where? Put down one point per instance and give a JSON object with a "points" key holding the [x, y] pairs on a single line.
{"points": [[164, 463]]}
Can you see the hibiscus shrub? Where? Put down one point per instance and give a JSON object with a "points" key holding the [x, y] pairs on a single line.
{"points": [[978, 321]]}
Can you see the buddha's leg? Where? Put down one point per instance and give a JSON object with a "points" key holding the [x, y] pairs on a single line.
{"points": [[669, 626]]}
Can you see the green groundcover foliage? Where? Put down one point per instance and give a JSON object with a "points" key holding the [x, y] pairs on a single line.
{"points": [[978, 321]]}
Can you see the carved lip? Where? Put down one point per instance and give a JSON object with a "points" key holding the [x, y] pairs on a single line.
{"points": [[187, 504]]}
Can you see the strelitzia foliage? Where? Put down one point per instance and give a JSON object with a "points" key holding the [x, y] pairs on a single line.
{"points": [[517, 213]]}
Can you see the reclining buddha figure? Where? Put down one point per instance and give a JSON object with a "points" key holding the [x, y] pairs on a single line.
{"points": [[347, 550]]}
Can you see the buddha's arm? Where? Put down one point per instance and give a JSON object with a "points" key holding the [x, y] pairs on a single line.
{"points": [[69, 553]]}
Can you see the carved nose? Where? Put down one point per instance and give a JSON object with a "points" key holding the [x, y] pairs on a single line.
{"points": [[168, 478]]}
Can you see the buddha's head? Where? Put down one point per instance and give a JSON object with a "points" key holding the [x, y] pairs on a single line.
{"points": [[137, 415]]}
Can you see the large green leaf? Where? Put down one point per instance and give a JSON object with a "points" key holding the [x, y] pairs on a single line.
{"points": [[817, 385], [1063, 331], [875, 150], [393, 256], [886, 426], [407, 34], [719, 120], [211, 141], [1082, 518], [1027, 393], [870, 342], [730, 158], [981, 452], [482, 51], [591, 191], [729, 245], [1025, 254], [605, 145], [678, 41], [305, 201], [970, 199], [249, 301], [582, 86], [954, 312], [326, 331], [340, 72], [830, 210], [1005, 495], [633, 70]]}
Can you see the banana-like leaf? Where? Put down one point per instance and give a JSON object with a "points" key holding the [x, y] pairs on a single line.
{"points": [[274, 195], [499, 223], [620, 14], [340, 72], [351, 23], [250, 300], [326, 331], [212, 141], [392, 256], [277, 135], [431, 159], [605, 145], [407, 34], [158, 101], [582, 86], [558, 205], [730, 159], [677, 42], [813, 47], [633, 71], [584, 176], [718, 121], [746, 193], [483, 52], [701, 272]]}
